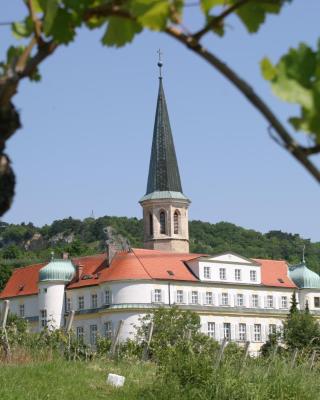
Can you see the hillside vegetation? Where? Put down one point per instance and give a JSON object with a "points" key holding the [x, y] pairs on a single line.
{"points": [[22, 244]]}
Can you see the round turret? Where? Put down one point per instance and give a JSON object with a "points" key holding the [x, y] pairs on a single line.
{"points": [[57, 270], [303, 277]]}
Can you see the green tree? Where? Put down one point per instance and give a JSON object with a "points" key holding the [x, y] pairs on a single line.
{"points": [[50, 24], [301, 330]]}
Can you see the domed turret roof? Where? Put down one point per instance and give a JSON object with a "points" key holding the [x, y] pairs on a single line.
{"points": [[57, 270], [303, 277]]}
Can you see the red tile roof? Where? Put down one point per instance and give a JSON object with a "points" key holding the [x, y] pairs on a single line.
{"points": [[148, 264], [275, 273], [23, 282], [138, 264]]}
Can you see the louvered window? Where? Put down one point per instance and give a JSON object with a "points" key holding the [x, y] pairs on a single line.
{"points": [[162, 222]]}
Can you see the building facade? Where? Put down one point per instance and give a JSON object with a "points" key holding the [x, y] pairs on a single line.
{"points": [[236, 298]]}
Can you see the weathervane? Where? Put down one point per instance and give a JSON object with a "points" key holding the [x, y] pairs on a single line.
{"points": [[160, 63]]}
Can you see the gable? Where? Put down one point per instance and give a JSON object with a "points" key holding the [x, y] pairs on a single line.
{"points": [[230, 257]]}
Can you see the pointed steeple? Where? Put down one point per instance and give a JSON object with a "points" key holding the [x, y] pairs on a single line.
{"points": [[163, 170]]}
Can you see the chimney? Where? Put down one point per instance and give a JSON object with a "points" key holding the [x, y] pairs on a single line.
{"points": [[111, 251], [79, 272], [65, 256]]}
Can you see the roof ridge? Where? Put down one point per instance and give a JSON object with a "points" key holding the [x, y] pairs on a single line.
{"points": [[141, 263]]}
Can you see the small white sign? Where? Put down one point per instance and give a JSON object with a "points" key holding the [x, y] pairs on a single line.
{"points": [[115, 380]]}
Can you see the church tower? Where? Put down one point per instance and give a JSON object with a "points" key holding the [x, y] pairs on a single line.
{"points": [[165, 207]]}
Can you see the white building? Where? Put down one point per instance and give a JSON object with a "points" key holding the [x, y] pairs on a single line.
{"points": [[237, 298]]}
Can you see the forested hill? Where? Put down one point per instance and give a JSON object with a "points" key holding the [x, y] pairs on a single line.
{"points": [[25, 243]]}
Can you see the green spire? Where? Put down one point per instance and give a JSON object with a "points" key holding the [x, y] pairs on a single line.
{"points": [[163, 170]]}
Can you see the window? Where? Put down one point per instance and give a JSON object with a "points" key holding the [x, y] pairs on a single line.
{"points": [[284, 302], [68, 304], [209, 298], [240, 300], [21, 310], [317, 302], [253, 275], [108, 329], [43, 318], [206, 272], [176, 222], [162, 222], [80, 334], [179, 296], [255, 300], [270, 301], [224, 299], [80, 302], [257, 332], [227, 330], [45, 290], [194, 297], [272, 329], [242, 332], [93, 334], [151, 224], [237, 274], [157, 295], [211, 329], [222, 273], [107, 297], [94, 300]]}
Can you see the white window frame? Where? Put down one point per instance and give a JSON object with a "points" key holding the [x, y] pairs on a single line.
{"points": [[272, 329], [255, 300], [222, 274], [80, 302], [108, 329], [43, 318], [194, 297], [207, 272], [94, 300], [224, 299], [211, 329], [93, 334], [240, 300], [253, 275], [209, 298], [157, 295], [80, 334], [284, 302], [107, 297], [237, 274], [227, 330], [179, 296], [270, 301], [257, 333], [21, 310], [242, 332]]}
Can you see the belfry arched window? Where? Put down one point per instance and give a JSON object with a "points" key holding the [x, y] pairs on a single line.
{"points": [[162, 219], [150, 224], [176, 222]]}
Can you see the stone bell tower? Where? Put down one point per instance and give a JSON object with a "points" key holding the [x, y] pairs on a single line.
{"points": [[165, 207]]}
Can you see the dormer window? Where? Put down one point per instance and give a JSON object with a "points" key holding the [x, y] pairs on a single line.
{"points": [[222, 274], [237, 274], [162, 219], [206, 272], [253, 275]]}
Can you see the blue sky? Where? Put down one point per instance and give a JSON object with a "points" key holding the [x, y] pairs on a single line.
{"points": [[87, 128]]}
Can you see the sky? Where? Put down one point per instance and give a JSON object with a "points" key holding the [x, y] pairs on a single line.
{"points": [[87, 128]]}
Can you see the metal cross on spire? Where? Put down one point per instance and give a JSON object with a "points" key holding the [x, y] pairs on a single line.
{"points": [[160, 63]]}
